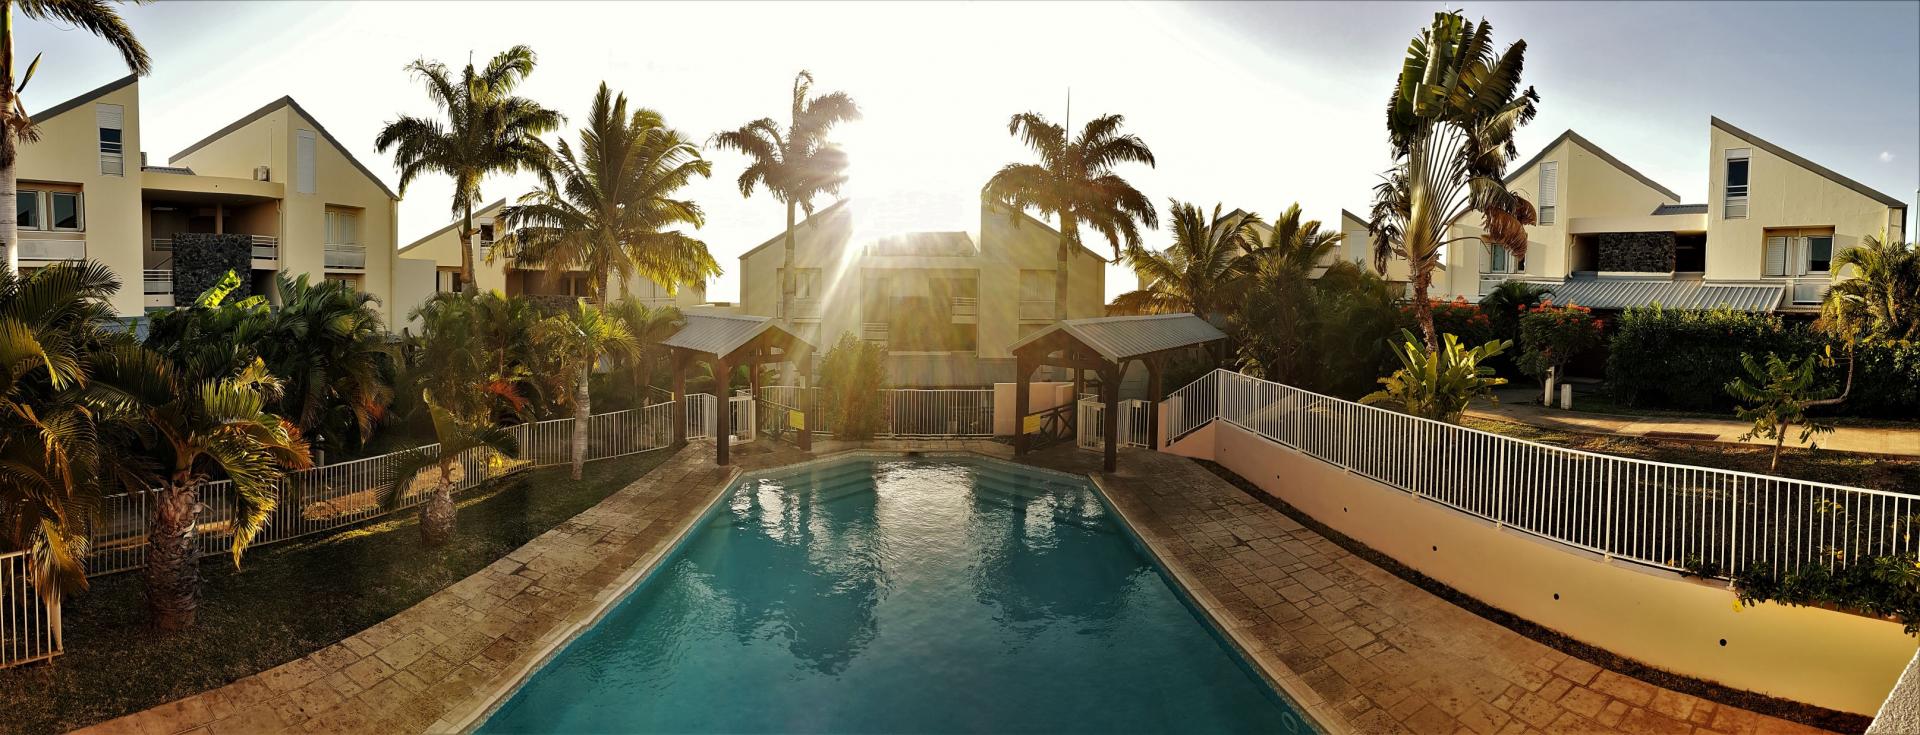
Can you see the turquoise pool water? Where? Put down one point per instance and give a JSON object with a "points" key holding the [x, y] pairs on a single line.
{"points": [[902, 595]]}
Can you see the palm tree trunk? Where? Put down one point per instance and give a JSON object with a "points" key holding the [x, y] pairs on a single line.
{"points": [[1067, 226], [467, 284], [9, 146], [788, 278], [1422, 307], [437, 513], [173, 558], [582, 413]]}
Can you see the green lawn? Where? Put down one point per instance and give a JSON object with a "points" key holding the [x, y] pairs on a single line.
{"points": [[1839, 468], [288, 601]]}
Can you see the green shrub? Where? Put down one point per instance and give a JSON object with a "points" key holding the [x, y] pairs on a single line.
{"points": [[852, 375], [1884, 586], [1438, 384], [1675, 358], [1886, 381]]}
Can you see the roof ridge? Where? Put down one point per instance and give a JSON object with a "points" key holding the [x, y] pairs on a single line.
{"points": [[83, 98], [502, 201], [1809, 165], [321, 128], [1576, 137]]}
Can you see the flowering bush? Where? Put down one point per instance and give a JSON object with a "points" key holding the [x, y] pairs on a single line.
{"points": [[1552, 336]]}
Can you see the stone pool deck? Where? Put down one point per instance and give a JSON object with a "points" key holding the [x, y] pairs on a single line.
{"points": [[1360, 649]]}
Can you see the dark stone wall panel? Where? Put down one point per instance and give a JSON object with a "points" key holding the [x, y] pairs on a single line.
{"points": [[200, 259], [1635, 252]]}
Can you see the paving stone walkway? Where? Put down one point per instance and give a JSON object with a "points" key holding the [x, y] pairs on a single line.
{"points": [[1360, 649], [1364, 650]]}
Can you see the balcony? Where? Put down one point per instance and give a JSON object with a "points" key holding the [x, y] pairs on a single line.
{"points": [[340, 255], [158, 287], [266, 250], [48, 251], [875, 331], [1036, 310], [486, 248], [964, 310], [806, 308]]}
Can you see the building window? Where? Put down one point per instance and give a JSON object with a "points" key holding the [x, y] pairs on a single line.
{"points": [[1738, 169], [29, 202], [112, 145], [353, 282], [447, 281], [1549, 191], [303, 162], [1501, 261], [66, 211], [1036, 285], [1798, 252], [343, 229]]}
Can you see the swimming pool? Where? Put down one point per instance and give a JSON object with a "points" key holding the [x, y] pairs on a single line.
{"points": [[877, 594]]}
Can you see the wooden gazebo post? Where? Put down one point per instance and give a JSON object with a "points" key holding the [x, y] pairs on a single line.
{"points": [[679, 362], [1156, 367], [722, 423], [803, 363], [1110, 397]]}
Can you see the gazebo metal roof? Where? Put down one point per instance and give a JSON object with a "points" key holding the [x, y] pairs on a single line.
{"points": [[721, 334], [1123, 338]]}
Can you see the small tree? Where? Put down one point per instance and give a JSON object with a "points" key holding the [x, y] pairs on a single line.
{"points": [[455, 436], [852, 377], [1438, 384], [1778, 397], [577, 338], [1551, 336]]}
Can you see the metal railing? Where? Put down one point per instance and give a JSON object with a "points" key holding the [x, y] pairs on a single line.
{"points": [[875, 331], [965, 307], [266, 247], [1654, 513], [53, 250], [910, 412], [29, 623], [345, 256], [1035, 309], [157, 282], [1090, 425]]}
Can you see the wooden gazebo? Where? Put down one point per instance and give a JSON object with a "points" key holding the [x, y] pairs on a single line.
{"points": [[725, 342], [1107, 345]]}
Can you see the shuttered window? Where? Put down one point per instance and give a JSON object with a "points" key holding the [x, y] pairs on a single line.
{"points": [[343, 228], [110, 120], [1036, 285], [1739, 169], [1799, 252], [303, 163], [1549, 192], [1776, 256]]}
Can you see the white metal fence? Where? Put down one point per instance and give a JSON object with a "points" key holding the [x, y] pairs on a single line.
{"points": [[1655, 513], [29, 625], [1091, 424], [910, 412]]}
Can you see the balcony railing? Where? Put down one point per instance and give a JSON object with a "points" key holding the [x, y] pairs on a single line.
{"points": [[158, 286], [965, 306], [486, 248], [1036, 309], [874, 331], [346, 256], [53, 250], [266, 247], [806, 307]]}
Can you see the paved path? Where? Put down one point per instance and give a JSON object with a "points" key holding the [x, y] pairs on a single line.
{"points": [[1362, 650], [1368, 652], [1512, 407]]}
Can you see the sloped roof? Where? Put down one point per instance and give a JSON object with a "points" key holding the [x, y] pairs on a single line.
{"points": [[287, 101], [1615, 292], [1863, 189], [498, 203], [1666, 209], [1580, 140], [820, 215], [83, 98], [1121, 338], [956, 244], [721, 334]]}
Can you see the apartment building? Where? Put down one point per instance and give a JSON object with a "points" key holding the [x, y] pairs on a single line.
{"points": [[273, 192], [1609, 237], [442, 248], [946, 304]]}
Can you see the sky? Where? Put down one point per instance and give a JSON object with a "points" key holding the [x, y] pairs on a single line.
{"points": [[1253, 105]]}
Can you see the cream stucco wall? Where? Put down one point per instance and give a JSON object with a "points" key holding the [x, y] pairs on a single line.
{"points": [[1781, 194], [271, 140], [68, 153], [1831, 659]]}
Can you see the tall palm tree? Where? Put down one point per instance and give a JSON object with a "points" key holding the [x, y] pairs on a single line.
{"points": [[579, 337], [649, 326], [203, 424], [610, 205], [55, 444], [796, 164], [487, 130], [1199, 271], [1075, 184], [1450, 125], [16, 126], [1295, 244], [328, 342], [1881, 297]]}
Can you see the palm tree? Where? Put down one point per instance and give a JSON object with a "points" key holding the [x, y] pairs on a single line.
{"points": [[1450, 125], [55, 442], [203, 424], [16, 126], [1294, 244], [1881, 298], [1199, 271], [328, 341], [578, 338], [797, 164], [609, 207], [649, 326], [1075, 184], [1506, 301], [455, 437], [488, 130]]}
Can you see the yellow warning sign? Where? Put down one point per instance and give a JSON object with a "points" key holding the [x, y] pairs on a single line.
{"points": [[1030, 424], [796, 420]]}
